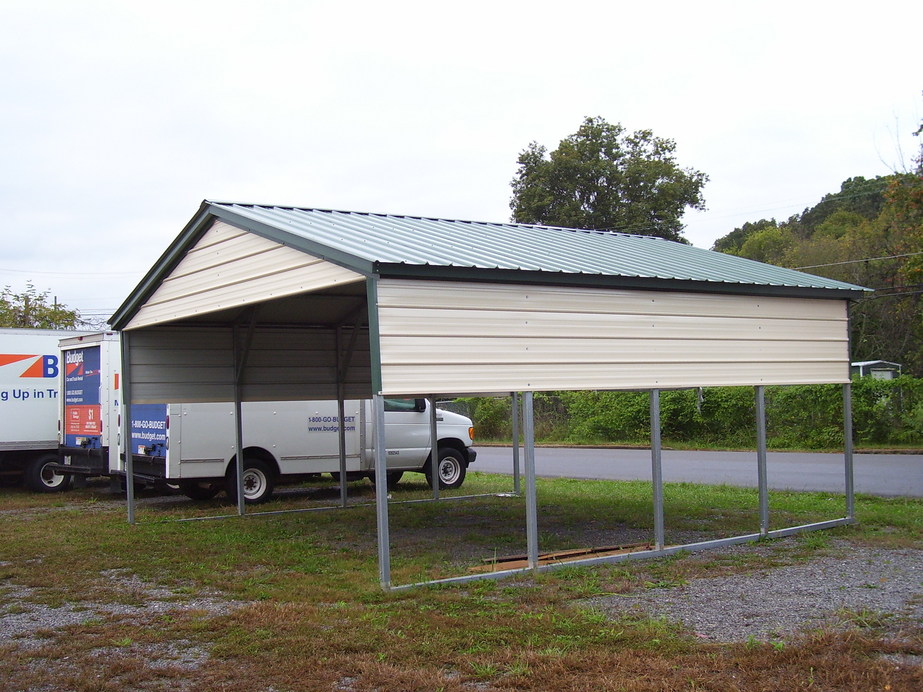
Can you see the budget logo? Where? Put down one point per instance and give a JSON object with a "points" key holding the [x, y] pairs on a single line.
{"points": [[33, 365], [73, 363]]}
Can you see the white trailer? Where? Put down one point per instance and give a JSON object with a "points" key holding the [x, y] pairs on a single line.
{"points": [[194, 445], [29, 398]]}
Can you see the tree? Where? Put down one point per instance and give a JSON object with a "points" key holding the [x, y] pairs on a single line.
{"points": [[32, 309], [733, 241], [767, 245], [857, 195], [603, 178]]}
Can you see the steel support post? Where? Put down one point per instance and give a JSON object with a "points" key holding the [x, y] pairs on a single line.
{"points": [[241, 352], [381, 491], [657, 469], [341, 413], [239, 357], [129, 463], [433, 446], [762, 477], [531, 499], [239, 445], [848, 452], [517, 483]]}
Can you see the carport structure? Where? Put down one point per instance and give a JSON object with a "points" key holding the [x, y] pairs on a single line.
{"points": [[268, 303]]}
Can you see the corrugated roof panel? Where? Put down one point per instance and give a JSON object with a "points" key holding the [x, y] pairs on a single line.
{"points": [[418, 241]]}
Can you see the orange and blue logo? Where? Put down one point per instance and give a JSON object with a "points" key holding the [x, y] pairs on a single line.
{"points": [[33, 365]]}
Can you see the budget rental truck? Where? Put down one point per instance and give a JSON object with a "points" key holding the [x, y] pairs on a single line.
{"points": [[193, 445], [89, 405], [29, 397]]}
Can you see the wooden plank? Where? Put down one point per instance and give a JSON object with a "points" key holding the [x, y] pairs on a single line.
{"points": [[520, 561]]}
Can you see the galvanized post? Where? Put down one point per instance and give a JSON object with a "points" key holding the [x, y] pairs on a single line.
{"points": [[848, 452], [239, 442], [238, 423], [517, 484], [657, 470], [433, 446], [531, 499], [762, 478], [127, 451], [381, 491], [341, 413]]}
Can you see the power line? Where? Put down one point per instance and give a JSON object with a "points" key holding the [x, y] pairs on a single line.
{"points": [[889, 295], [84, 275], [867, 259]]}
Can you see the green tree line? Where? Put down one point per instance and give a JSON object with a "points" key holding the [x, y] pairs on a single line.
{"points": [[885, 412], [868, 233]]}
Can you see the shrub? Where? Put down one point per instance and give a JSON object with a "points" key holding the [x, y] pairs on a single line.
{"points": [[801, 416]]}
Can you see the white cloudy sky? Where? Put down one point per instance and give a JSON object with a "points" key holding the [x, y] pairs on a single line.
{"points": [[117, 118]]}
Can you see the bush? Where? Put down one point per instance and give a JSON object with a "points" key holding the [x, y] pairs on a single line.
{"points": [[805, 416], [801, 416], [492, 416], [607, 416]]}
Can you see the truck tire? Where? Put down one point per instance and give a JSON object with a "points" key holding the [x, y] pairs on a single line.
{"points": [[199, 490], [259, 482], [42, 479], [394, 477], [351, 476], [450, 470]]}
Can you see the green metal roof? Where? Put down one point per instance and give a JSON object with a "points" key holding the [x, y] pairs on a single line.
{"points": [[387, 244], [417, 247]]}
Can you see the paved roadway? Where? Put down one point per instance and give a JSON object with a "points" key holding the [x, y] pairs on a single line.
{"points": [[875, 474]]}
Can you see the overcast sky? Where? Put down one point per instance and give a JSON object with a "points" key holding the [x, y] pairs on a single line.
{"points": [[118, 118]]}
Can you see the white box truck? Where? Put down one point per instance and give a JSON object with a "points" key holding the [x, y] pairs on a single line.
{"points": [[194, 445], [29, 398]]}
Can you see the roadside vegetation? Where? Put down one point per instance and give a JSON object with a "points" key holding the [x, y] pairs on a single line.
{"points": [[886, 414], [302, 608]]}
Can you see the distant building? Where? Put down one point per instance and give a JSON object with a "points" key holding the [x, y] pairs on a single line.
{"points": [[877, 369]]}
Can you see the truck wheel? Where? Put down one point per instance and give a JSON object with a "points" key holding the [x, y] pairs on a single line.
{"points": [[259, 482], [199, 490], [350, 476], [394, 477], [450, 470], [42, 479]]}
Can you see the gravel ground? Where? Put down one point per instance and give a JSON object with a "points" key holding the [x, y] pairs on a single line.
{"points": [[858, 585], [23, 621]]}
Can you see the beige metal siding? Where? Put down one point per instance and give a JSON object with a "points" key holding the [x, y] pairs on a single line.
{"points": [[180, 365], [229, 267], [470, 337]]}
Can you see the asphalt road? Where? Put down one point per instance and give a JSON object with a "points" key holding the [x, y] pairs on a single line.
{"points": [[876, 474]]}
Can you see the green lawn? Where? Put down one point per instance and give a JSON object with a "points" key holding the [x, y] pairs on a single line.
{"points": [[309, 614]]}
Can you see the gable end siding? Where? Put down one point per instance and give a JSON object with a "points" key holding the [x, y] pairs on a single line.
{"points": [[229, 267]]}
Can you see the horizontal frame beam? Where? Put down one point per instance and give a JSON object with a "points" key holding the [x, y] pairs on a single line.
{"points": [[640, 555]]}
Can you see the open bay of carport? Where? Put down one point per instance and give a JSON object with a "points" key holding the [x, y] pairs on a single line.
{"points": [[875, 474]]}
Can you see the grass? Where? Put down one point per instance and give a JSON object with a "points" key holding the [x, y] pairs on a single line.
{"points": [[309, 614]]}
